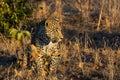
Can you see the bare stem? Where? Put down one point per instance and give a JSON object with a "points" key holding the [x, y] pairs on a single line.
{"points": [[100, 16]]}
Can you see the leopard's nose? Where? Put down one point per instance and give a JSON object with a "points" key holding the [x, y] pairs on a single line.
{"points": [[54, 40], [60, 39]]}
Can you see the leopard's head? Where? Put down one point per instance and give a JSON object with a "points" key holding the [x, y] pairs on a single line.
{"points": [[53, 29]]}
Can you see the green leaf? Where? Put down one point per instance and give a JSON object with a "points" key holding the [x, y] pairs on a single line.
{"points": [[27, 34], [12, 32], [19, 36]]}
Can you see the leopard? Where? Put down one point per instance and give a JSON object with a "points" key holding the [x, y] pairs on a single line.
{"points": [[47, 40]]}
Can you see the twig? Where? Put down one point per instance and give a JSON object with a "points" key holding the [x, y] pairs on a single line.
{"points": [[100, 16]]}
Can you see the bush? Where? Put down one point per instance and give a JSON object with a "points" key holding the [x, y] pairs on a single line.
{"points": [[13, 14]]}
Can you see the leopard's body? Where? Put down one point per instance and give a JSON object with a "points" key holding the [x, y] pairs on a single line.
{"points": [[46, 39]]}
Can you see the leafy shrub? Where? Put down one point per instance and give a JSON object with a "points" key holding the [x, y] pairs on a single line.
{"points": [[19, 34], [13, 14]]}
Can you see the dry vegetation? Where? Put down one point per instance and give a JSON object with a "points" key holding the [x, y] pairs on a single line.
{"points": [[90, 49]]}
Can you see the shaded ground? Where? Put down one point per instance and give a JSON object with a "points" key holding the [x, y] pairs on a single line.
{"points": [[94, 39]]}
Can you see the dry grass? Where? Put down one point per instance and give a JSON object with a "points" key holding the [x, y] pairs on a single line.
{"points": [[79, 61], [90, 49], [89, 64]]}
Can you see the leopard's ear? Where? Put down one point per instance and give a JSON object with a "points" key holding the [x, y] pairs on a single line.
{"points": [[46, 24]]}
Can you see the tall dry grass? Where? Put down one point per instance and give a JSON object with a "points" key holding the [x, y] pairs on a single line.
{"points": [[87, 63], [98, 14]]}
